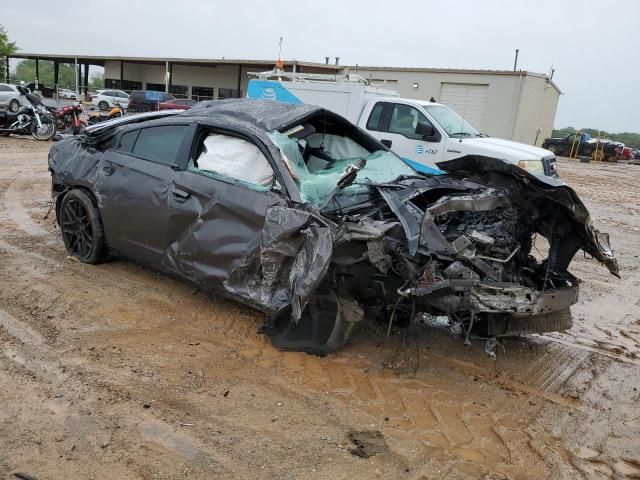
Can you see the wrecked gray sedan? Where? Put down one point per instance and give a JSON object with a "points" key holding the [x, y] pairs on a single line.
{"points": [[294, 211]]}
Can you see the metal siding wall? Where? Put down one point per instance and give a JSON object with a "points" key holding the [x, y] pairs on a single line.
{"points": [[538, 104], [468, 100], [501, 92]]}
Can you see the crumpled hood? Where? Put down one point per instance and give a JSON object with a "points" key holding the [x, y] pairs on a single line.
{"points": [[507, 149], [555, 193]]}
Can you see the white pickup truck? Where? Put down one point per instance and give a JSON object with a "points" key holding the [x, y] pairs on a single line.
{"points": [[422, 133]]}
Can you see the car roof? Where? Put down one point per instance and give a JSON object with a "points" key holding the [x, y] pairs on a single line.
{"points": [[242, 115], [266, 115]]}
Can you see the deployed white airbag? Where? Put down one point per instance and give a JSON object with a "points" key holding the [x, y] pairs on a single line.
{"points": [[236, 158]]}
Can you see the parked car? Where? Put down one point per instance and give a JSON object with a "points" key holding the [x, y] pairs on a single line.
{"points": [[584, 145], [293, 210], [626, 154], [177, 104], [67, 94], [106, 99], [148, 100], [10, 97]]}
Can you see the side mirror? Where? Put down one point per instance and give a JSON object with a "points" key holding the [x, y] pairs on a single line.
{"points": [[425, 129]]}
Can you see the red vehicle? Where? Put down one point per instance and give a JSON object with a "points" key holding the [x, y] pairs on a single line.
{"points": [[69, 117], [177, 104], [627, 153]]}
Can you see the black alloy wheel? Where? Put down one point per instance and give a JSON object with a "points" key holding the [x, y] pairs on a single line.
{"points": [[81, 227]]}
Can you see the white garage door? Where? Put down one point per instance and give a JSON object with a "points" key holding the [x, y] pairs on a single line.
{"points": [[470, 101]]}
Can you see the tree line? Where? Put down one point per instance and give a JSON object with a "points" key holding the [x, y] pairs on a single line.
{"points": [[629, 139]]}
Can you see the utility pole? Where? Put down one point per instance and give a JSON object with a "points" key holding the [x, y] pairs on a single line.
{"points": [[515, 63]]}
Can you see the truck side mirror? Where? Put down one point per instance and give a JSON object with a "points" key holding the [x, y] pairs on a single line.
{"points": [[425, 129], [428, 133]]}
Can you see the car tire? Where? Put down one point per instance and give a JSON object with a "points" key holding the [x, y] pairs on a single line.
{"points": [[612, 158], [103, 105], [597, 156], [14, 106], [81, 226], [556, 321], [553, 149]]}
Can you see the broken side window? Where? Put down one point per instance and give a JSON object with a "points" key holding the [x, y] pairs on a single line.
{"points": [[317, 175]]}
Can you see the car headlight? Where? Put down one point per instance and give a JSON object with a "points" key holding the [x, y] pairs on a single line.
{"points": [[533, 166]]}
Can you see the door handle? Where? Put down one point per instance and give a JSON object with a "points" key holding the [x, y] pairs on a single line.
{"points": [[180, 195], [108, 170], [453, 150], [386, 143]]}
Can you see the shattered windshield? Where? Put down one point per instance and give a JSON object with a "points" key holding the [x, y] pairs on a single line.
{"points": [[318, 164], [453, 123]]}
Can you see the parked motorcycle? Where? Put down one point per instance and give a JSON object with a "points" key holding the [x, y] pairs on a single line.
{"points": [[68, 117], [116, 112], [33, 118]]}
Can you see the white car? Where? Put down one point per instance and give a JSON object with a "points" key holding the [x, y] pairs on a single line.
{"points": [[68, 94], [105, 99], [10, 98]]}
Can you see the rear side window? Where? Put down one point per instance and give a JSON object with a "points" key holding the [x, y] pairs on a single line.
{"points": [[160, 144], [127, 140], [375, 119]]}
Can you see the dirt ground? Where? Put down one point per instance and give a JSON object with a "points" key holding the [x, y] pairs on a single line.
{"points": [[116, 372]]}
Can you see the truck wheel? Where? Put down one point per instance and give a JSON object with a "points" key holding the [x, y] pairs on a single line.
{"points": [[81, 227], [553, 149], [597, 156], [612, 158]]}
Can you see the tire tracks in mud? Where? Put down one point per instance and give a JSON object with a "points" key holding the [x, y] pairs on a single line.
{"points": [[470, 416]]}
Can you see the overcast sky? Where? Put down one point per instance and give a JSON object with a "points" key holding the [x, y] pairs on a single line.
{"points": [[594, 46]]}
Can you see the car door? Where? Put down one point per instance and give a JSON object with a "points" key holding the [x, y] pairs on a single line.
{"points": [[5, 92], [219, 212], [134, 185], [123, 99], [399, 133]]}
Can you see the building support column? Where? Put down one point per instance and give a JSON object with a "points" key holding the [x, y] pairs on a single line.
{"points": [[77, 78], [239, 84], [86, 79], [56, 74], [121, 74], [167, 76]]}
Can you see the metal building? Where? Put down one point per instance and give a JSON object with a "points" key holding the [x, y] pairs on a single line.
{"points": [[516, 105], [502, 103]]}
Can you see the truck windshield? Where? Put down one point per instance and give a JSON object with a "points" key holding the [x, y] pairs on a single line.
{"points": [[452, 123]]}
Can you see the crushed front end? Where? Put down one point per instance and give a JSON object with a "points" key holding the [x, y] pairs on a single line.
{"points": [[459, 245]]}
